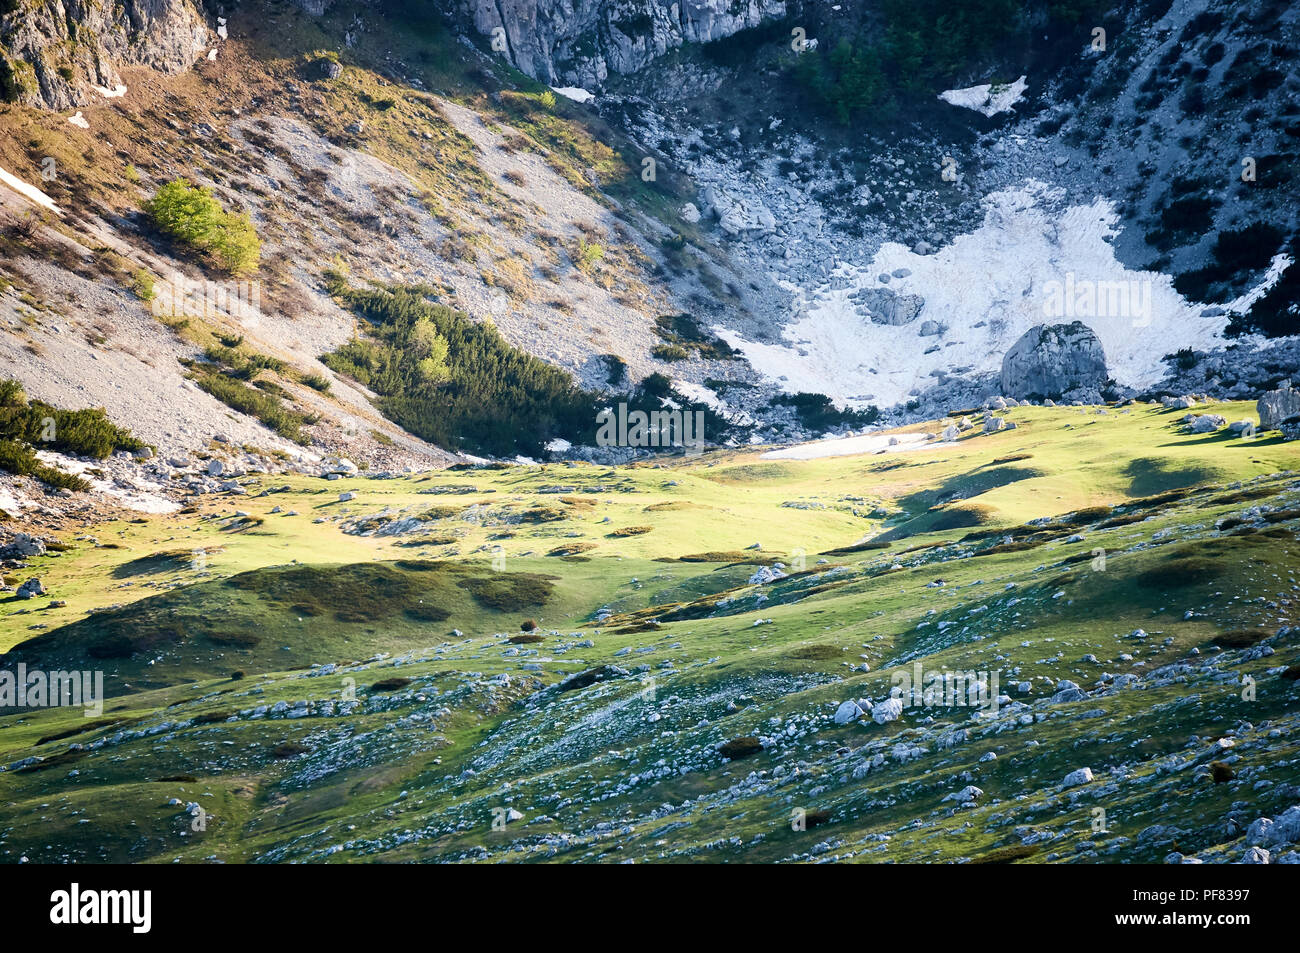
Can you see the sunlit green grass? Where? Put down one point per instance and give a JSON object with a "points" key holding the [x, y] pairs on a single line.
{"points": [[782, 652]]}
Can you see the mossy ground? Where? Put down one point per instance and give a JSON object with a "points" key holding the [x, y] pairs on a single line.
{"points": [[679, 657]]}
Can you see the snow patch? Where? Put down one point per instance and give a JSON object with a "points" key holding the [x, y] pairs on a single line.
{"points": [[986, 288], [699, 394], [576, 93], [851, 446], [117, 92], [10, 504], [29, 191], [80, 121], [989, 99]]}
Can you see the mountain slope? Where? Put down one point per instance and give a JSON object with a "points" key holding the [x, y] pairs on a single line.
{"points": [[487, 203], [454, 496]]}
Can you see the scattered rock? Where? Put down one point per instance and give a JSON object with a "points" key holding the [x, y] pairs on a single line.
{"points": [[886, 711], [23, 546], [1076, 777], [848, 711], [1206, 423]]}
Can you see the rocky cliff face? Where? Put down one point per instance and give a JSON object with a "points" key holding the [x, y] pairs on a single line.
{"points": [[580, 42], [54, 53]]}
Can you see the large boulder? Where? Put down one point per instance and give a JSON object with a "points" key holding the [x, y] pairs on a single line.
{"points": [[1205, 423], [888, 710], [1276, 406], [1076, 777], [1269, 833], [1050, 360], [967, 795], [850, 711], [887, 307]]}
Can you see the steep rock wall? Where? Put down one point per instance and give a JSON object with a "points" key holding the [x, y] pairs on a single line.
{"points": [[53, 53], [580, 42]]}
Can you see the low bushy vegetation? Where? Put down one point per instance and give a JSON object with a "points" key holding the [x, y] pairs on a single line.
{"points": [[1242, 638], [571, 549], [20, 460], [858, 548], [817, 412], [1179, 572], [741, 747], [1007, 855], [456, 383], [1277, 312], [27, 425], [86, 433], [669, 353], [510, 592], [244, 365], [192, 216], [588, 255], [656, 391], [459, 384], [681, 334], [1183, 221], [615, 369], [268, 408], [919, 46]]}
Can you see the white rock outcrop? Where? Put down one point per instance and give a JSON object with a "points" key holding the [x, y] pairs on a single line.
{"points": [[581, 42]]}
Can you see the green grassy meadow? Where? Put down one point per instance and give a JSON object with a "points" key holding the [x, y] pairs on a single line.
{"points": [[362, 681]]}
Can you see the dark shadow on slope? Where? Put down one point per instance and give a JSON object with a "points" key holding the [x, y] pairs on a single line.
{"points": [[1151, 475]]}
